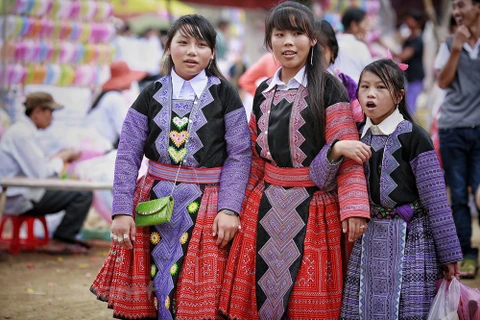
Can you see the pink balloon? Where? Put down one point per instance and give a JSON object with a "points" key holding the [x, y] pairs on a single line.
{"points": [[75, 10], [20, 49]]}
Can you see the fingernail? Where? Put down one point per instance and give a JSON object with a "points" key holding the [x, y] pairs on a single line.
{"points": [[344, 230]]}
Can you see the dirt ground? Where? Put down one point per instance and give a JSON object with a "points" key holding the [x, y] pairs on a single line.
{"points": [[43, 287]]}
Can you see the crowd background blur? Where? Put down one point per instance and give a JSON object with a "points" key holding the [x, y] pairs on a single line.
{"points": [[66, 47]]}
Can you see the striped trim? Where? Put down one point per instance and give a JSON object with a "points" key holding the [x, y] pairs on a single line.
{"points": [[288, 177], [161, 171]]}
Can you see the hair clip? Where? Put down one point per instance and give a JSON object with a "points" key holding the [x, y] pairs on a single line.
{"points": [[402, 66]]}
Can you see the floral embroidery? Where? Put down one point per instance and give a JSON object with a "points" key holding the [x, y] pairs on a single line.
{"points": [[177, 155], [184, 238], [174, 269], [178, 138], [180, 123], [153, 270], [167, 302], [154, 237], [193, 207], [155, 303]]}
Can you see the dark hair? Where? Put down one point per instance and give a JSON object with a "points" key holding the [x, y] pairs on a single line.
{"points": [[294, 16], [352, 15], [200, 28], [29, 111], [418, 16], [393, 78], [222, 23], [327, 37]]}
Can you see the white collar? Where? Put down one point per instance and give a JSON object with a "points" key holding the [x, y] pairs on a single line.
{"points": [[473, 51], [298, 80], [386, 127], [198, 83], [29, 123]]}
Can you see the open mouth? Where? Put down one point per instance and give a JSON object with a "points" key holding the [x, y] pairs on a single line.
{"points": [[371, 105], [289, 53]]}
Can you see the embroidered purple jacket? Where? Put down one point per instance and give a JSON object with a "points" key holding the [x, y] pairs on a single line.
{"points": [[218, 136]]}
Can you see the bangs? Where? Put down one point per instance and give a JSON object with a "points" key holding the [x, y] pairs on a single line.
{"points": [[390, 74], [290, 19], [188, 30]]}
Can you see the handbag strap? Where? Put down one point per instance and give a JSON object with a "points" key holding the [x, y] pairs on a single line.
{"points": [[195, 107]]}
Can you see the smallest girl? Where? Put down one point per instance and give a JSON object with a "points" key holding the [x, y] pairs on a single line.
{"points": [[411, 235]]}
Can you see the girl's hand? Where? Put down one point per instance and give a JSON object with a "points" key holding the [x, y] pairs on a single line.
{"points": [[355, 227], [450, 270], [353, 149], [123, 231], [224, 228]]}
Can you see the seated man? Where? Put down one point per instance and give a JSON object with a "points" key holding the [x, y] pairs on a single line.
{"points": [[21, 156]]}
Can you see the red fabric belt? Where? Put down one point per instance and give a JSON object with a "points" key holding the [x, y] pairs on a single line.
{"points": [[288, 177], [161, 171]]}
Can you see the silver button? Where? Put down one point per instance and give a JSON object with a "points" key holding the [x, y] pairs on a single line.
{"points": [[266, 132], [268, 153], [190, 121], [268, 112], [196, 102], [184, 161]]}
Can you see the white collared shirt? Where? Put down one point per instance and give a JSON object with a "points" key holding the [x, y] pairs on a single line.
{"points": [[300, 79], [386, 127], [188, 90], [444, 54], [21, 156], [353, 56]]}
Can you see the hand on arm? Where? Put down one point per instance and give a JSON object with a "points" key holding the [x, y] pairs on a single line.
{"points": [[123, 230], [352, 149], [355, 227], [225, 226]]}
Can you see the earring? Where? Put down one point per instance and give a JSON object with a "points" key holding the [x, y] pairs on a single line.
{"points": [[311, 57], [209, 64]]}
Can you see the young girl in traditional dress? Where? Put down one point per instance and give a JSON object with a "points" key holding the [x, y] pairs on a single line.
{"points": [[192, 127], [287, 260], [394, 266]]}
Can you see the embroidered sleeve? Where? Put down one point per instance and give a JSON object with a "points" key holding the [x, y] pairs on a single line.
{"points": [[349, 175], [237, 165], [129, 157], [432, 193]]}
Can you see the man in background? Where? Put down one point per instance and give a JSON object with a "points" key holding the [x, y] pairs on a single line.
{"points": [[22, 156], [458, 62]]}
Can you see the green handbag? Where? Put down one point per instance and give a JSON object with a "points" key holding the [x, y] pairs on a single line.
{"points": [[154, 212]]}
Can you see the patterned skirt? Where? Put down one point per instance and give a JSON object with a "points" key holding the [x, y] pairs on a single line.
{"points": [[393, 269], [287, 260], [175, 270]]}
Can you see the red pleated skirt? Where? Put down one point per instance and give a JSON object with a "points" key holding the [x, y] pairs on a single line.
{"points": [[125, 283], [317, 290]]}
